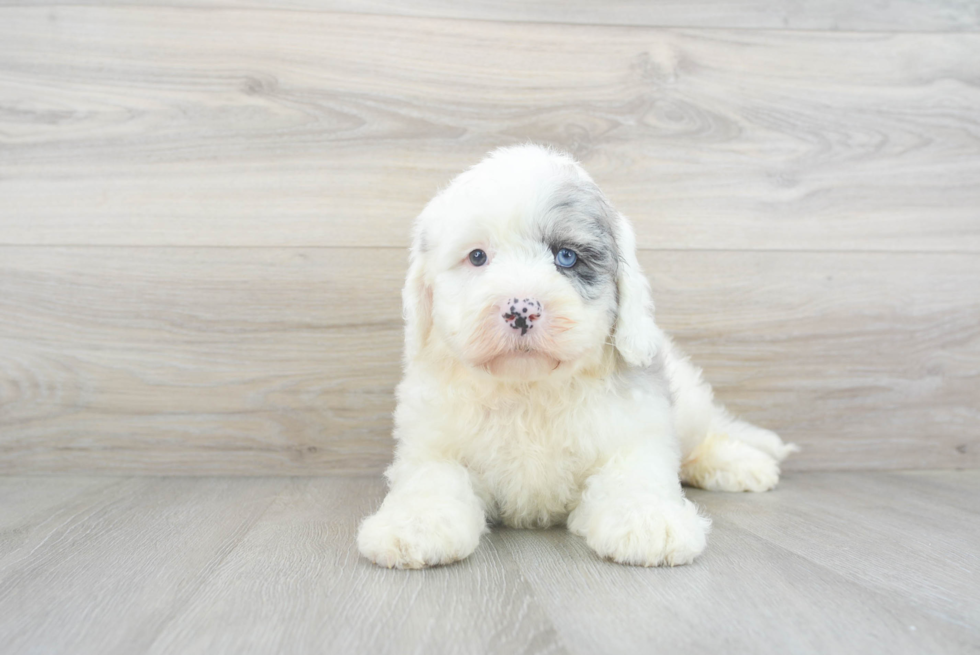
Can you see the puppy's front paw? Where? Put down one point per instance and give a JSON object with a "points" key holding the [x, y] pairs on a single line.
{"points": [[648, 534], [413, 535]]}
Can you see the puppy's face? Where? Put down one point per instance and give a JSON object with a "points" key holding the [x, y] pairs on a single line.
{"points": [[517, 265]]}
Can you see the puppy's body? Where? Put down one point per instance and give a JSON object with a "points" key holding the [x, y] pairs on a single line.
{"points": [[539, 392], [530, 449]]}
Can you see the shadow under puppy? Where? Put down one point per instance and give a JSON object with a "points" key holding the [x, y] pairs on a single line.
{"points": [[538, 390]]}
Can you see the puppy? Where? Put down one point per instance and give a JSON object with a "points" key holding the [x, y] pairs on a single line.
{"points": [[538, 390]]}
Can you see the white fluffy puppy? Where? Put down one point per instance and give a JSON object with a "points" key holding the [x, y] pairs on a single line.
{"points": [[538, 390]]}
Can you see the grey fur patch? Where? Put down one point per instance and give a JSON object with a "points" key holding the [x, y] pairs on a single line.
{"points": [[579, 218]]}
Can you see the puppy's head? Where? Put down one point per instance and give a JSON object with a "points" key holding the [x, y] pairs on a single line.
{"points": [[521, 269]]}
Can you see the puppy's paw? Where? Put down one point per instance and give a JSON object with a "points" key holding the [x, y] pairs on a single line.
{"points": [[722, 464], [759, 438], [413, 535], [643, 534]]}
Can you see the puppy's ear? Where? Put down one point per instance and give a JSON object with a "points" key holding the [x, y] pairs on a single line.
{"points": [[416, 300], [636, 336]]}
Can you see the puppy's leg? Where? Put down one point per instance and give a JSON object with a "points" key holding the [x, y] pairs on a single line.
{"points": [[431, 516], [722, 464], [633, 512], [759, 438], [720, 452]]}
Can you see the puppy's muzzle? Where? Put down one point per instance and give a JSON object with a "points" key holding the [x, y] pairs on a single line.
{"points": [[522, 313]]}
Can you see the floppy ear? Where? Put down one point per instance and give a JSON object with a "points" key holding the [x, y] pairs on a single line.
{"points": [[416, 301], [636, 336]]}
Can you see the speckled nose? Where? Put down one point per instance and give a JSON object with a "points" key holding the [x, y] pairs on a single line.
{"points": [[522, 313]]}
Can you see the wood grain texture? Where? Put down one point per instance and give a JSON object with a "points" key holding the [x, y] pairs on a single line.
{"points": [[867, 360], [19, 500], [125, 556], [752, 593], [895, 15], [198, 360], [808, 199], [319, 596], [183, 126], [283, 361], [829, 562], [912, 515]]}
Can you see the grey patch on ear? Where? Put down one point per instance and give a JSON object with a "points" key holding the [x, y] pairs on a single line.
{"points": [[423, 243], [580, 218]]}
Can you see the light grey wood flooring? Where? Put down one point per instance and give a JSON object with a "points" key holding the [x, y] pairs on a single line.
{"points": [[843, 562]]}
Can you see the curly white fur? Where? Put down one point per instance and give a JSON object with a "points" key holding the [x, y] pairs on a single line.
{"points": [[590, 417]]}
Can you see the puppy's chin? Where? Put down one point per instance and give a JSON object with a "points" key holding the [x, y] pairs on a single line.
{"points": [[521, 366]]}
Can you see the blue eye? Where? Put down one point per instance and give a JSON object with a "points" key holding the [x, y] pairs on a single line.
{"points": [[478, 257], [566, 258]]}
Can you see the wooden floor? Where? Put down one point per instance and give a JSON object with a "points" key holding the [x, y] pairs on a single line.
{"points": [[844, 562]]}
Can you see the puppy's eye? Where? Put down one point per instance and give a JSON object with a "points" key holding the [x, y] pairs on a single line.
{"points": [[565, 258], [478, 257]]}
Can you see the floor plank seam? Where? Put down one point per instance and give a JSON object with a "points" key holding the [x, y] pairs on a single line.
{"points": [[500, 546], [81, 499], [209, 569], [869, 585]]}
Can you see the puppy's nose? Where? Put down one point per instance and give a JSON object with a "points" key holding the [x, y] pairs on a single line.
{"points": [[521, 313]]}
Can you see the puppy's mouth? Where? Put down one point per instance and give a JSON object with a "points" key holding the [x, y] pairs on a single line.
{"points": [[512, 350], [522, 363]]}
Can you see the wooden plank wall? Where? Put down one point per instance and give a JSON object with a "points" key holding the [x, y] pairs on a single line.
{"points": [[204, 209]]}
